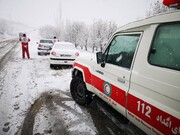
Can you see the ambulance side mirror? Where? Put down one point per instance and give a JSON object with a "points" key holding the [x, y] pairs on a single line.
{"points": [[100, 58]]}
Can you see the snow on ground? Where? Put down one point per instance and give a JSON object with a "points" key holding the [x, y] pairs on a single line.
{"points": [[22, 81]]}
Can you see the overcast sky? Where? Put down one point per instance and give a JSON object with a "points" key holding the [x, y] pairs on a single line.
{"points": [[38, 13]]}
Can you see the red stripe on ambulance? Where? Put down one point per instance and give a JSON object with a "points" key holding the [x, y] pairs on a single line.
{"points": [[155, 117], [117, 95], [87, 75]]}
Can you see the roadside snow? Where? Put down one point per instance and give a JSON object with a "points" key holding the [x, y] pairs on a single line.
{"points": [[22, 81]]}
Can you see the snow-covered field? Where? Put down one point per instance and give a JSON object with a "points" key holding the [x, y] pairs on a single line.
{"points": [[22, 81]]}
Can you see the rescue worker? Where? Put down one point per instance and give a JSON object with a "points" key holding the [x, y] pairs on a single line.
{"points": [[55, 39], [25, 49]]}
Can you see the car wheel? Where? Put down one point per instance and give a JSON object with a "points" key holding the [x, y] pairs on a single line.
{"points": [[79, 92], [39, 53], [51, 66]]}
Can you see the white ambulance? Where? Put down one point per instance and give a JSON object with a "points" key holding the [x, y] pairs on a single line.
{"points": [[138, 74]]}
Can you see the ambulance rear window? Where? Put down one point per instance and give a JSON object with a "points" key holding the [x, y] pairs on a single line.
{"points": [[46, 41], [165, 49]]}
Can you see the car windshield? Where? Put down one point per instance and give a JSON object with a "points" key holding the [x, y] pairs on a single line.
{"points": [[64, 46], [46, 41]]}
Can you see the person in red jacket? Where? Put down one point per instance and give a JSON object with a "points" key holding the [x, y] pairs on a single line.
{"points": [[25, 49]]}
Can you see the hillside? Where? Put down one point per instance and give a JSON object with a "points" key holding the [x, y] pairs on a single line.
{"points": [[10, 29]]}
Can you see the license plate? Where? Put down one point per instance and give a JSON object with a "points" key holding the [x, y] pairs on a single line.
{"points": [[65, 55]]}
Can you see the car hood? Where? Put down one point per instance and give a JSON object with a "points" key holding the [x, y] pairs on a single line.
{"points": [[87, 56]]}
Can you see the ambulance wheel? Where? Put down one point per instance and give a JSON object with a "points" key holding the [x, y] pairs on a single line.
{"points": [[79, 92]]}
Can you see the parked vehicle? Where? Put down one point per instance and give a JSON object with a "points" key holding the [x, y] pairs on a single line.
{"points": [[138, 74], [63, 53], [45, 46]]}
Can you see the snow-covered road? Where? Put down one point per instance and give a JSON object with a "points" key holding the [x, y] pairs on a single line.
{"points": [[22, 81], [36, 100]]}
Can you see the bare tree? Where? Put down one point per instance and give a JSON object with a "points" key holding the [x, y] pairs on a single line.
{"points": [[100, 32], [47, 31], [86, 37], [156, 8], [112, 27], [77, 33], [82, 37]]}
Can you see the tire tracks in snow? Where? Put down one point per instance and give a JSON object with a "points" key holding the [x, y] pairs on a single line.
{"points": [[5, 56], [7, 51], [61, 117], [47, 100]]}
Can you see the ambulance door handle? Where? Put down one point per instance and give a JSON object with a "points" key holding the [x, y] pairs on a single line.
{"points": [[100, 72], [121, 80]]}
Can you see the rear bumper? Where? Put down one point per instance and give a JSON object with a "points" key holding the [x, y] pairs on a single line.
{"points": [[57, 61], [47, 51]]}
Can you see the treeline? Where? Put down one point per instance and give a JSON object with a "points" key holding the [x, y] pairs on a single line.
{"points": [[94, 36]]}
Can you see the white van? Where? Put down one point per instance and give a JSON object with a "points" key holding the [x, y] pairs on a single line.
{"points": [[138, 74]]}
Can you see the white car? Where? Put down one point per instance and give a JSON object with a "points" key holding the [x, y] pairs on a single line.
{"points": [[63, 53], [45, 46]]}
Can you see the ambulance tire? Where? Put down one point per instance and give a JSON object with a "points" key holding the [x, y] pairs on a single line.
{"points": [[79, 92]]}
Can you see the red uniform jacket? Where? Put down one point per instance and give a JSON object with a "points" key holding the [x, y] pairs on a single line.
{"points": [[24, 41]]}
